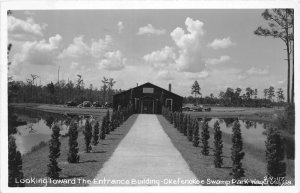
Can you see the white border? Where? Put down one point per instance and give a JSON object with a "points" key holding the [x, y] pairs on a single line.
{"points": [[134, 4]]}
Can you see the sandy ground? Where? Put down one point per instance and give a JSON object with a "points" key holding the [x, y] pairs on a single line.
{"points": [[146, 156]]}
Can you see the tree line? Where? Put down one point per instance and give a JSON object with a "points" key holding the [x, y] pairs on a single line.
{"points": [[60, 92], [235, 97]]}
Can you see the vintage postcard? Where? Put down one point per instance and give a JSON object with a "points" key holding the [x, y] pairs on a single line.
{"points": [[149, 96]]}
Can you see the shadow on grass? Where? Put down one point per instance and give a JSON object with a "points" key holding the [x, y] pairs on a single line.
{"points": [[87, 161], [99, 151]]}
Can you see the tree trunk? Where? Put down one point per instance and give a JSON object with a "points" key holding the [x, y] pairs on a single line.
{"points": [[293, 70], [289, 70]]}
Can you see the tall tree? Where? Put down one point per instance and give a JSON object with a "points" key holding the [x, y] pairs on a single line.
{"points": [[266, 91], [271, 93], [281, 25], [196, 89], [280, 95]]}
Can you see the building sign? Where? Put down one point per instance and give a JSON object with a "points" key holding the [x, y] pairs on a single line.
{"points": [[148, 90]]}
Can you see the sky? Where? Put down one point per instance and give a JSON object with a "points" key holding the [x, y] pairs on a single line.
{"points": [[216, 47]]}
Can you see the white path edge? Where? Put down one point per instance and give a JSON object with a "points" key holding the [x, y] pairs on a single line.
{"points": [[146, 156]]}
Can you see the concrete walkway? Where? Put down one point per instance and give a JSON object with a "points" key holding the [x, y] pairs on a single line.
{"points": [[146, 156]]}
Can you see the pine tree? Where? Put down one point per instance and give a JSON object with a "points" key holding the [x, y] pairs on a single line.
{"points": [[14, 164], [196, 133], [54, 150], [185, 119], [73, 156], [275, 154], [190, 129], [204, 137], [96, 134], [218, 150], [236, 152], [103, 129], [87, 136]]}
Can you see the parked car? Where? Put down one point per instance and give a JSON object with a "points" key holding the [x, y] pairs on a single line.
{"points": [[191, 107], [86, 104], [71, 104], [96, 104]]}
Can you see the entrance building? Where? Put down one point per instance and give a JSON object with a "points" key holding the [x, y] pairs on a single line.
{"points": [[148, 99]]}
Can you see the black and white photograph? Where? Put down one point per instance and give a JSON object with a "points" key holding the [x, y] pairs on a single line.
{"points": [[161, 94]]}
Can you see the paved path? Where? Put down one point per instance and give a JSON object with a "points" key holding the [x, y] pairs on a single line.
{"points": [[146, 156]]}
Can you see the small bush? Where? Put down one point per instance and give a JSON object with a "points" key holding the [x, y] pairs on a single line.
{"points": [[103, 129], [275, 154], [218, 150], [189, 129], [14, 164], [185, 119], [205, 137], [195, 133], [73, 156], [96, 134], [87, 136], [54, 150], [237, 153]]}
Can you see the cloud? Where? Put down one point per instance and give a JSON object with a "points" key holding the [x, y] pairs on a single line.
{"points": [[198, 75], [221, 43], [77, 49], [257, 71], [165, 75], [113, 61], [188, 45], [120, 26], [24, 30], [161, 58], [98, 48], [39, 52], [149, 29], [213, 61]]}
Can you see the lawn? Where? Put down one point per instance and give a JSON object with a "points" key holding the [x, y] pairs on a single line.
{"points": [[35, 163]]}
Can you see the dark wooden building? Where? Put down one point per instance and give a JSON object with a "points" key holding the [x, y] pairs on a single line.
{"points": [[148, 98]]}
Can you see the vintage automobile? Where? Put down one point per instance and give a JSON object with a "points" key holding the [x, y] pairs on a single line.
{"points": [[71, 104]]}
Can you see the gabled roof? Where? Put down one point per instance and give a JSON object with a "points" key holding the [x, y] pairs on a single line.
{"points": [[149, 84]]}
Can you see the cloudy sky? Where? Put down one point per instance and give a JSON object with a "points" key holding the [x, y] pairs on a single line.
{"points": [[215, 47]]}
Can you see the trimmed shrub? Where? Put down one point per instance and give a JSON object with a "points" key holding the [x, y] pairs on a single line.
{"points": [[205, 137], [103, 129], [73, 156], [185, 119], [190, 129], [107, 119], [195, 133], [54, 150], [237, 153], [87, 136], [218, 150], [14, 164], [171, 118], [96, 134], [181, 122], [275, 154]]}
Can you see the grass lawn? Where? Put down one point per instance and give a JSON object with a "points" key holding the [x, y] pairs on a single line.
{"points": [[203, 167], [35, 163]]}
